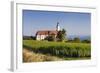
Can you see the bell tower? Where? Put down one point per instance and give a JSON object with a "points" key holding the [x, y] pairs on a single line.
{"points": [[57, 27]]}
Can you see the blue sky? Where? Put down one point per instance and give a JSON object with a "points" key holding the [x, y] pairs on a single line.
{"points": [[74, 23]]}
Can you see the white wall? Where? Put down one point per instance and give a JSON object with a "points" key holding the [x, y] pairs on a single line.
{"points": [[5, 36], [40, 37]]}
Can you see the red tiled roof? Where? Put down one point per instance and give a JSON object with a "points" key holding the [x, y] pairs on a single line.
{"points": [[46, 32]]}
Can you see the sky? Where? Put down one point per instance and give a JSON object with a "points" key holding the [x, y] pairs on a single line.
{"points": [[74, 23]]}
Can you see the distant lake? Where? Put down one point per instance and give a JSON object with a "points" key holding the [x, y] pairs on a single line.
{"points": [[85, 37]]}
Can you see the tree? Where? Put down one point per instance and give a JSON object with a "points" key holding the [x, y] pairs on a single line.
{"points": [[33, 37], [64, 33], [86, 41], [61, 35], [76, 39]]}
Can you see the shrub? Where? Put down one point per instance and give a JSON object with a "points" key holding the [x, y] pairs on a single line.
{"points": [[77, 40], [50, 38], [86, 41], [29, 37]]}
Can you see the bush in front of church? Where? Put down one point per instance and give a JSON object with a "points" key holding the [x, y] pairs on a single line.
{"points": [[50, 38]]}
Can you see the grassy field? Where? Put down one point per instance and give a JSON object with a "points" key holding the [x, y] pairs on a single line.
{"points": [[66, 51]]}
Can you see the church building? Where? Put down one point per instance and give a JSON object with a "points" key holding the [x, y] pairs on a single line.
{"points": [[41, 35]]}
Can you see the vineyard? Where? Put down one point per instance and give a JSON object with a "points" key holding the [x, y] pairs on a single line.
{"points": [[59, 49]]}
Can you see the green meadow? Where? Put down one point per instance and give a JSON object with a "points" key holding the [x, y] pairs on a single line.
{"points": [[63, 50]]}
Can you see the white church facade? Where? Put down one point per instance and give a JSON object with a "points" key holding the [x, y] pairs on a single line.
{"points": [[41, 35]]}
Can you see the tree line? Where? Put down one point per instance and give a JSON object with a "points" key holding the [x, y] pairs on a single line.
{"points": [[61, 36]]}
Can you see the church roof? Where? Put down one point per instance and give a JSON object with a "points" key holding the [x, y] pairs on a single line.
{"points": [[47, 32]]}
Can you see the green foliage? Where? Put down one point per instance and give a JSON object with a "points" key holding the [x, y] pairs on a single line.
{"points": [[50, 38], [60, 49], [86, 41], [61, 35], [29, 38], [77, 40], [33, 37]]}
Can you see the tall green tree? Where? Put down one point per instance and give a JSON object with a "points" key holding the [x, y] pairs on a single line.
{"points": [[61, 35]]}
